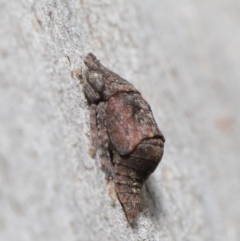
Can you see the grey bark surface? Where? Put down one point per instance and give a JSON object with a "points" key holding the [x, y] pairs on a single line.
{"points": [[184, 58]]}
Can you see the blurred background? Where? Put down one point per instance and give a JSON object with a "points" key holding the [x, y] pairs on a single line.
{"points": [[184, 57]]}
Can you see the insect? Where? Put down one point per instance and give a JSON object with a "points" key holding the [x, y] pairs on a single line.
{"points": [[124, 131]]}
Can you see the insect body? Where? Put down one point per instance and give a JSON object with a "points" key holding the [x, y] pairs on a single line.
{"points": [[125, 132]]}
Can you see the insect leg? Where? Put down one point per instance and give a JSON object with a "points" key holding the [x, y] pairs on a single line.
{"points": [[93, 129], [103, 141]]}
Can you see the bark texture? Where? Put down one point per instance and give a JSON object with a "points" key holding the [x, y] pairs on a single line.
{"points": [[183, 56]]}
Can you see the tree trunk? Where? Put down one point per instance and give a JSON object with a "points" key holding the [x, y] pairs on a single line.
{"points": [[184, 58]]}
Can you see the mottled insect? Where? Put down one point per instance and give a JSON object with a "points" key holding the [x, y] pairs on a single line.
{"points": [[124, 130]]}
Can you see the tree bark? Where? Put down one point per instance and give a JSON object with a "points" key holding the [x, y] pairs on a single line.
{"points": [[184, 58]]}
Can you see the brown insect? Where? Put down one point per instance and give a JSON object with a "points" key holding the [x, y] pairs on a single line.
{"points": [[124, 130]]}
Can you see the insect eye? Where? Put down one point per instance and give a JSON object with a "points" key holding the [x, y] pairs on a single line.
{"points": [[99, 84], [97, 81]]}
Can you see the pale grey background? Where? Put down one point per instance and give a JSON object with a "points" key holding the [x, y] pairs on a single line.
{"points": [[183, 55]]}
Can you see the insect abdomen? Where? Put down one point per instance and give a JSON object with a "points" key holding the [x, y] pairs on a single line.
{"points": [[131, 171]]}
